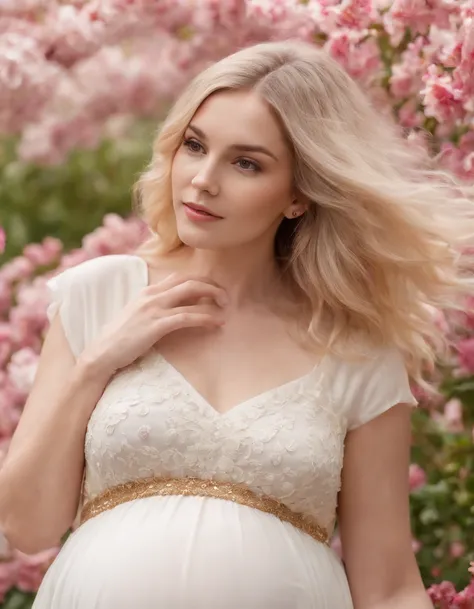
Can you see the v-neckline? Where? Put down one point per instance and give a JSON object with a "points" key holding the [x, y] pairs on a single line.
{"points": [[198, 395], [266, 393]]}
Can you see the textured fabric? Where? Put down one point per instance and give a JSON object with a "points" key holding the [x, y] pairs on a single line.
{"points": [[192, 552]]}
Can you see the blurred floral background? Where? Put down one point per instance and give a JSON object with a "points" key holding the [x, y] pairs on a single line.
{"points": [[83, 85]]}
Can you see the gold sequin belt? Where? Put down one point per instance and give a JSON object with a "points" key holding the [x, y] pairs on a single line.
{"points": [[151, 487]]}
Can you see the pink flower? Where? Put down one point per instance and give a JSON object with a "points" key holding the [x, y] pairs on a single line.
{"points": [[465, 598], [464, 71], [457, 549], [442, 99], [418, 15], [27, 78], [417, 477], [31, 569], [467, 316], [465, 349], [409, 115], [17, 269], [3, 240], [444, 592], [460, 158], [352, 14], [19, 8], [22, 369], [52, 248], [8, 572], [452, 158], [452, 417], [406, 77], [356, 52], [43, 254]]}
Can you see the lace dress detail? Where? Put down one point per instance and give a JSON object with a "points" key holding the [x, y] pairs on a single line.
{"points": [[175, 552], [286, 443]]}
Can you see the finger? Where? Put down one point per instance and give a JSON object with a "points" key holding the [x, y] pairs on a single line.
{"points": [[191, 291], [186, 320], [174, 279], [204, 309]]}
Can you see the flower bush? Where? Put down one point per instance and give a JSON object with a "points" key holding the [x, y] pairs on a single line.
{"points": [[68, 66], [69, 199], [75, 71]]}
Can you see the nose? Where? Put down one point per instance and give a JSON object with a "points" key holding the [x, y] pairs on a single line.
{"points": [[206, 180]]}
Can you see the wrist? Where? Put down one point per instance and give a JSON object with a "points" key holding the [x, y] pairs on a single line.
{"points": [[92, 369]]}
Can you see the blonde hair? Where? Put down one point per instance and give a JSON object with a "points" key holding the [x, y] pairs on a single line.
{"points": [[383, 242]]}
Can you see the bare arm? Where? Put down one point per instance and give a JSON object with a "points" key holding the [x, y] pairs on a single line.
{"points": [[41, 478], [374, 515]]}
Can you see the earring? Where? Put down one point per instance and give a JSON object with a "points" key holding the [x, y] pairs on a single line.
{"points": [[295, 214]]}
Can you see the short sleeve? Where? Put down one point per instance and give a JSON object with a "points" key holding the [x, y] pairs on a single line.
{"points": [[375, 386], [68, 302], [89, 294]]}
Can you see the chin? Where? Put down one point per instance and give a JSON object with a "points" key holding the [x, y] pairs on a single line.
{"points": [[197, 239]]}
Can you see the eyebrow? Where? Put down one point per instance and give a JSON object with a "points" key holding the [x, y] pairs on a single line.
{"points": [[241, 147]]}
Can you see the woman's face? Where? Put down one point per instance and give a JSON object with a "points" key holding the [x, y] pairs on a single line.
{"points": [[233, 160]]}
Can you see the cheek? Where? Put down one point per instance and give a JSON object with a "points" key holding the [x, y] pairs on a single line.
{"points": [[178, 171], [265, 196]]}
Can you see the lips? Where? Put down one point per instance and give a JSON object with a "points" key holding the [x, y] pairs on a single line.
{"points": [[201, 209]]}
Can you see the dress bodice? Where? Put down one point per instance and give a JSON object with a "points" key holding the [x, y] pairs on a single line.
{"points": [[287, 442]]}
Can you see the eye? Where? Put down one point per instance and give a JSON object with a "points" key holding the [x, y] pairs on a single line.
{"points": [[247, 165], [192, 145]]}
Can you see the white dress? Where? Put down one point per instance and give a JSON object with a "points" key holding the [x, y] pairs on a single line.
{"points": [[181, 552]]}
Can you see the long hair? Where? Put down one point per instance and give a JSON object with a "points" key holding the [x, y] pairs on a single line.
{"points": [[386, 236]]}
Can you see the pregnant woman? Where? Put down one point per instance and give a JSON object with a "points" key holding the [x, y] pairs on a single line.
{"points": [[211, 403]]}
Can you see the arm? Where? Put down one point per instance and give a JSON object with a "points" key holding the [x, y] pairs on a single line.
{"points": [[41, 478], [374, 517]]}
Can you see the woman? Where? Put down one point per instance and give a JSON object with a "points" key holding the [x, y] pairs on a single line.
{"points": [[219, 387]]}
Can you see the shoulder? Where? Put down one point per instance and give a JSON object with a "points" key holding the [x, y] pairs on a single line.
{"points": [[101, 272], [88, 294], [357, 357], [367, 386], [369, 360]]}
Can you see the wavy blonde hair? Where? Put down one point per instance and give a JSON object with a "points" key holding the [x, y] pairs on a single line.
{"points": [[384, 239]]}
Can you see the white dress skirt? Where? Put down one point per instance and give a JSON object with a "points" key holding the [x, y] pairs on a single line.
{"points": [[188, 552], [192, 553]]}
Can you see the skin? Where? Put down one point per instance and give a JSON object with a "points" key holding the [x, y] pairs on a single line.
{"points": [[252, 191]]}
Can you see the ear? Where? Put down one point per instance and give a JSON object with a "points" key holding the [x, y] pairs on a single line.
{"points": [[296, 209]]}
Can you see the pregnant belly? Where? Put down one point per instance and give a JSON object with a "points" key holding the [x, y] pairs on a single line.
{"points": [[192, 553]]}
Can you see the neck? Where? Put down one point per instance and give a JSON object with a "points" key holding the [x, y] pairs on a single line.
{"points": [[246, 274]]}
